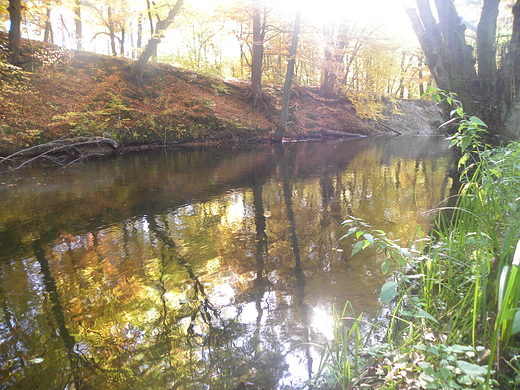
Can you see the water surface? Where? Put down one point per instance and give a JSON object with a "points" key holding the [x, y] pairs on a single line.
{"points": [[199, 269]]}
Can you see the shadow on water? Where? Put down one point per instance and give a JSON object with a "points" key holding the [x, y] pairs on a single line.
{"points": [[202, 268]]}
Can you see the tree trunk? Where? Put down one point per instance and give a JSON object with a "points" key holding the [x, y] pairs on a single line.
{"points": [[111, 32], [150, 17], [140, 65], [15, 32], [447, 54], [486, 50], [152, 29], [509, 82], [286, 98], [48, 36], [139, 31], [421, 84], [493, 94], [334, 59], [122, 41], [258, 55], [79, 25], [328, 67]]}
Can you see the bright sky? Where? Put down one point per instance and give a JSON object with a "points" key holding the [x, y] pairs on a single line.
{"points": [[389, 14]]}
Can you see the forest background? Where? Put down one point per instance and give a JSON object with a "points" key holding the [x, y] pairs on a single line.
{"points": [[352, 66], [220, 68], [350, 73]]}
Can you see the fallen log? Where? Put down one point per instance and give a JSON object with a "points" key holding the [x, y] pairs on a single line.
{"points": [[389, 128]]}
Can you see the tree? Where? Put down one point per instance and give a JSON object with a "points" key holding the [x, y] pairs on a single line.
{"points": [[490, 93], [15, 31], [48, 36], [258, 52], [336, 42], [161, 26], [114, 22], [286, 98], [78, 24], [202, 49]]}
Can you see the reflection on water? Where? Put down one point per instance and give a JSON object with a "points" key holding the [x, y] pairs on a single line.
{"points": [[198, 269]]}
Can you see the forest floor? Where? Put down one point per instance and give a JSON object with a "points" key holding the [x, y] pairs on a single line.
{"points": [[60, 93]]}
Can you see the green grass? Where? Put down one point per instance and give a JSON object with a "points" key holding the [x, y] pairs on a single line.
{"points": [[341, 363]]}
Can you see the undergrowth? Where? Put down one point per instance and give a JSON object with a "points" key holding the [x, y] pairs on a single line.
{"points": [[453, 302]]}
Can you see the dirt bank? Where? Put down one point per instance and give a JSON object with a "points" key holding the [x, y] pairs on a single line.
{"points": [[63, 92]]}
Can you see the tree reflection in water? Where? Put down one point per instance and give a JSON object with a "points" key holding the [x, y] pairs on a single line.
{"points": [[204, 268]]}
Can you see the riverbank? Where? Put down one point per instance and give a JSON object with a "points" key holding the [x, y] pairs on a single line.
{"points": [[452, 302], [63, 93]]}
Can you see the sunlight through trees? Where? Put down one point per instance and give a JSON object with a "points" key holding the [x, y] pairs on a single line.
{"points": [[345, 50]]}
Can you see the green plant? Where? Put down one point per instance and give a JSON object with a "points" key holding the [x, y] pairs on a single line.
{"points": [[447, 367], [342, 362], [464, 287], [508, 318], [470, 130], [453, 298]]}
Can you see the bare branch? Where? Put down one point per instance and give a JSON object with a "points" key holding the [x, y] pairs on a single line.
{"points": [[57, 151]]}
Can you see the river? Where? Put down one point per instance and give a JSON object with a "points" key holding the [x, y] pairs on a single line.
{"points": [[200, 268]]}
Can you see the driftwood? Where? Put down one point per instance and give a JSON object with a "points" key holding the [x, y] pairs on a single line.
{"points": [[60, 151], [389, 128]]}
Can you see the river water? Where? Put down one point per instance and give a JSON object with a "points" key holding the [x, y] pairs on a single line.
{"points": [[205, 268]]}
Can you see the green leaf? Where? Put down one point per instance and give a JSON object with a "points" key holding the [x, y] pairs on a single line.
{"points": [[385, 266], [424, 314], [460, 348], [515, 327], [350, 231], [388, 292], [359, 245], [401, 261], [471, 369], [369, 238], [466, 141], [463, 159], [445, 372], [477, 121]]}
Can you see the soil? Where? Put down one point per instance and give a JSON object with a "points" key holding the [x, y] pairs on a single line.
{"points": [[63, 93]]}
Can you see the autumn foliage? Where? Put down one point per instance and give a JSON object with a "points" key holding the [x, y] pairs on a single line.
{"points": [[70, 92]]}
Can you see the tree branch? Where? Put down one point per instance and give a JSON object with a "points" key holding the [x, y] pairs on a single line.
{"points": [[50, 150]]}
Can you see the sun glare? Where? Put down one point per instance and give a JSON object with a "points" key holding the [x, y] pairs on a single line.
{"points": [[387, 15]]}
